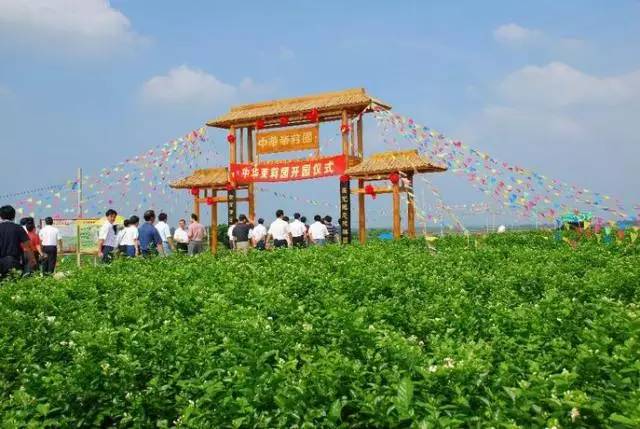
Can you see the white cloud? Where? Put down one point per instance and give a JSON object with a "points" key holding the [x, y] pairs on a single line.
{"points": [[184, 85], [518, 37], [514, 34], [88, 27], [558, 85], [566, 123]]}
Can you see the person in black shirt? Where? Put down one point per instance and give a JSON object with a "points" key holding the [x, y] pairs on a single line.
{"points": [[12, 236], [241, 234]]}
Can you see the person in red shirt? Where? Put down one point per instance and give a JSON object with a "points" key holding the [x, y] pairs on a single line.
{"points": [[30, 226]]}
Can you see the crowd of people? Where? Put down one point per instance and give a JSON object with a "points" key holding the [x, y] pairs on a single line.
{"points": [[244, 234], [148, 238], [24, 247]]}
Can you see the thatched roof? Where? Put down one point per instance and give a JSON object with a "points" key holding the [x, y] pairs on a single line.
{"points": [[203, 178], [329, 105], [383, 163]]}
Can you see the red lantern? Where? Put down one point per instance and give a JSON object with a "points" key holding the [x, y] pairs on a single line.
{"points": [[345, 128], [260, 124], [195, 191], [344, 178], [312, 115], [369, 190], [210, 201], [230, 187], [231, 138], [284, 121], [394, 178]]}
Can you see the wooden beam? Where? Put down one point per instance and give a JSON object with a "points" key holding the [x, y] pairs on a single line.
{"points": [[396, 211], [213, 240], [223, 199], [379, 190], [362, 229], [345, 136], [411, 210]]}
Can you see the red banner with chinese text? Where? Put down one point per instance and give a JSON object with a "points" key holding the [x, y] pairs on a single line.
{"points": [[287, 170]]}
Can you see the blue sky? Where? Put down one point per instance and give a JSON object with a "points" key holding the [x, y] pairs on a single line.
{"points": [[549, 85]]}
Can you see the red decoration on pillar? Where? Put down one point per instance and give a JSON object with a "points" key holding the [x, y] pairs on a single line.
{"points": [[195, 191], [369, 190], [394, 178], [210, 201], [231, 138], [345, 128], [344, 178], [284, 120], [230, 187], [260, 124]]}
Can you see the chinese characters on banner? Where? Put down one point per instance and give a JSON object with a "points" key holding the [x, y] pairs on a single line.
{"points": [[345, 211], [284, 171], [288, 140], [232, 204]]}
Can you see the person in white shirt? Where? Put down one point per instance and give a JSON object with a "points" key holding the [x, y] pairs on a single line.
{"points": [[51, 242], [107, 237], [165, 234], [119, 235], [181, 237], [318, 231], [258, 235], [298, 231], [232, 240], [129, 240], [279, 231]]}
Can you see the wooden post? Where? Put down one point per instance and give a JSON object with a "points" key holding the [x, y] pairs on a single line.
{"points": [[345, 136], [360, 138], [396, 210], [345, 211], [232, 146], [213, 240], [411, 209], [362, 228], [196, 205], [241, 144], [251, 188], [353, 149]]}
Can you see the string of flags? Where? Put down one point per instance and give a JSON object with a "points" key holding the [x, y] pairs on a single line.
{"points": [[533, 194]]}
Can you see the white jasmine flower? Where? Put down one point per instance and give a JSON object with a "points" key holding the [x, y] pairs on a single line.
{"points": [[575, 413], [433, 368]]}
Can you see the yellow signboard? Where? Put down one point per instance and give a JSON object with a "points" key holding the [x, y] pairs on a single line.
{"points": [[288, 140]]}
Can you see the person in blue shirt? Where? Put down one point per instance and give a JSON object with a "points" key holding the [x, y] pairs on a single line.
{"points": [[148, 236]]}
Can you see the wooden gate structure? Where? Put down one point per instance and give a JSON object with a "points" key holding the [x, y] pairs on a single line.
{"points": [[288, 125]]}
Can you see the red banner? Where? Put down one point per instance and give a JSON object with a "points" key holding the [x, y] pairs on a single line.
{"points": [[286, 170]]}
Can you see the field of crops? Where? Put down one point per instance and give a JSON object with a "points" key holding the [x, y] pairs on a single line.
{"points": [[514, 330]]}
